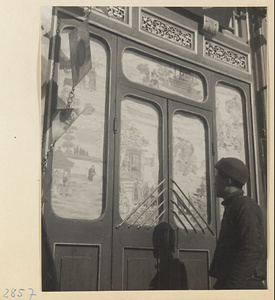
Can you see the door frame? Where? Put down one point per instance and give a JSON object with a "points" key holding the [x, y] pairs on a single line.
{"points": [[199, 245], [134, 237], [126, 87], [73, 232]]}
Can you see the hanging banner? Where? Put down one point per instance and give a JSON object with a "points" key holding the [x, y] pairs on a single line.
{"points": [[81, 62]]}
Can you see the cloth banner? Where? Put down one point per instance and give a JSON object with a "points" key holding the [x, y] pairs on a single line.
{"points": [[80, 51]]}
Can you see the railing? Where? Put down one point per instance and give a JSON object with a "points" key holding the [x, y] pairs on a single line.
{"points": [[192, 218], [146, 209], [184, 210]]}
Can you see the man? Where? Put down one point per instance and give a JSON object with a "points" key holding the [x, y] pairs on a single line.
{"points": [[240, 259]]}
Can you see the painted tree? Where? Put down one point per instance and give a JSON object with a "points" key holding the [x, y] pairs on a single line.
{"points": [[165, 73], [199, 198], [185, 159], [230, 127], [143, 69], [67, 141]]}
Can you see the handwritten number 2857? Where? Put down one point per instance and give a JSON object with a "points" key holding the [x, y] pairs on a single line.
{"points": [[19, 294]]}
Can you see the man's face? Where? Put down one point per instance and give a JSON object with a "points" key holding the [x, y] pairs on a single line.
{"points": [[221, 182]]}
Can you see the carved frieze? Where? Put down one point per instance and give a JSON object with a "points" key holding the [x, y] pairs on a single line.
{"points": [[117, 12], [224, 54], [170, 32]]}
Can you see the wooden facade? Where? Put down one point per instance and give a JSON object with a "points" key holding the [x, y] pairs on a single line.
{"points": [[169, 92]]}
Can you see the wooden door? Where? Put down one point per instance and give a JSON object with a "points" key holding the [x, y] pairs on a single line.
{"points": [[140, 197], [77, 181], [192, 202], [163, 151], [164, 209]]}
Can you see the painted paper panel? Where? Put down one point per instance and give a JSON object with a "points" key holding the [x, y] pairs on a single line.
{"points": [[162, 76], [78, 158], [139, 161], [189, 170], [230, 124]]}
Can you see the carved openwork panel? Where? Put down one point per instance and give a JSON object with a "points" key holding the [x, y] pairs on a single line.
{"points": [[226, 55], [119, 13], [163, 29]]}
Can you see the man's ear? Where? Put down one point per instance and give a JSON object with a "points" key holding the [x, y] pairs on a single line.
{"points": [[229, 181]]}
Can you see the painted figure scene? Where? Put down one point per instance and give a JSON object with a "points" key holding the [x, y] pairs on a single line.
{"points": [[79, 134]]}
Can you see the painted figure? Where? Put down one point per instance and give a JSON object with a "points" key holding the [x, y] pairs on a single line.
{"points": [[66, 184], [91, 173]]}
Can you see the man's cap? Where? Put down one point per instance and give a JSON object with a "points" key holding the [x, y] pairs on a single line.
{"points": [[233, 168]]}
